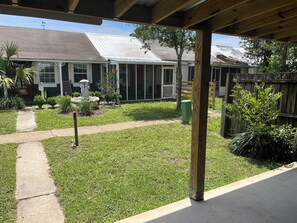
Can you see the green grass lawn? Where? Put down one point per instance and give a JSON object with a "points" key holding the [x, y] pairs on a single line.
{"points": [[50, 119], [8, 121], [7, 182], [114, 175]]}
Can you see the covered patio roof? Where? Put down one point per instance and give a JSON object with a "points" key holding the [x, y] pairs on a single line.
{"points": [[270, 19], [273, 19]]}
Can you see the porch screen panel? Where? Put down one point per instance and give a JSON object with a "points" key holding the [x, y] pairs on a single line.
{"points": [[157, 81], [131, 82], [149, 82], [140, 81], [123, 83]]}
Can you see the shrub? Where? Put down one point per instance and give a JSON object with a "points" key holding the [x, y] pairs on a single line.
{"points": [[11, 103], [51, 101], [275, 143], [112, 97], [85, 108], [252, 110], [97, 94], [64, 103], [39, 101], [75, 94]]}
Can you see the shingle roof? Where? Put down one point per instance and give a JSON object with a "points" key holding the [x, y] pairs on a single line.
{"points": [[219, 54], [122, 49], [38, 44]]}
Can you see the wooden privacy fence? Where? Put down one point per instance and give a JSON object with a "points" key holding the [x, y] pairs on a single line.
{"points": [[286, 83], [186, 92]]}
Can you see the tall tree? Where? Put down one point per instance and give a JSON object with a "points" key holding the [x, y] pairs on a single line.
{"points": [[180, 40], [271, 56], [10, 72]]}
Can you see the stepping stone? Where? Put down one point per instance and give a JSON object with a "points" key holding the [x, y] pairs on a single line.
{"points": [[26, 120]]}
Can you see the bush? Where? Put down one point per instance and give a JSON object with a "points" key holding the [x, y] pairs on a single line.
{"points": [[253, 110], [75, 94], [39, 101], [97, 94], [112, 97], [275, 143], [64, 103], [11, 103], [85, 108], [51, 101]]}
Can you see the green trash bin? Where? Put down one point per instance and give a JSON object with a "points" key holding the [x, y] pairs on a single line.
{"points": [[186, 107]]}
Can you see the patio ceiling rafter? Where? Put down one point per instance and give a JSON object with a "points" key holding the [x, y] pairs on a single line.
{"points": [[122, 6], [72, 4], [249, 10]]}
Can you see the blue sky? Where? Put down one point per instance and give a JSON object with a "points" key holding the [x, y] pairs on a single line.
{"points": [[107, 27]]}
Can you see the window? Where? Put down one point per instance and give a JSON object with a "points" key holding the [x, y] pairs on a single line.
{"points": [[168, 77], [80, 71], [47, 73]]}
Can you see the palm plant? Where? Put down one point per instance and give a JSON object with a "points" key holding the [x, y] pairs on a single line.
{"points": [[10, 72]]}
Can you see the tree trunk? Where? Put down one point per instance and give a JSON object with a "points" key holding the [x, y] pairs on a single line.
{"points": [[5, 92], [284, 57], [179, 77]]}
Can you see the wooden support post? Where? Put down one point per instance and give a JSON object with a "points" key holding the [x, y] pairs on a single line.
{"points": [[199, 117]]}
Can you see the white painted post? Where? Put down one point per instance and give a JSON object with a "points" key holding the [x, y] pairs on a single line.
{"points": [[61, 78]]}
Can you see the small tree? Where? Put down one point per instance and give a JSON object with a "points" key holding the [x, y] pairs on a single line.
{"points": [[109, 86], [10, 72], [181, 40]]}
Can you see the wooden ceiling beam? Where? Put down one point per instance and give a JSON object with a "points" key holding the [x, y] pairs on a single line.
{"points": [[15, 2], [209, 9], [275, 28], [274, 16], [287, 32], [72, 4], [122, 6], [166, 8], [246, 11]]}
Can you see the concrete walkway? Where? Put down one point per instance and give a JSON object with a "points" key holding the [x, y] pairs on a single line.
{"points": [[26, 120], [35, 189], [41, 135], [268, 197]]}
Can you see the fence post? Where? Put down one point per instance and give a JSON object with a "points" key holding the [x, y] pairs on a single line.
{"points": [[75, 128], [225, 120]]}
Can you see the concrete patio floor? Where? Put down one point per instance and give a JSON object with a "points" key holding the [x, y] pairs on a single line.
{"points": [[270, 197]]}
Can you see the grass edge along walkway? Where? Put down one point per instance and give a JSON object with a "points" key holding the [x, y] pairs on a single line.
{"points": [[7, 183]]}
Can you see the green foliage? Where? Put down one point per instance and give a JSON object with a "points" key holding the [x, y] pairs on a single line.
{"points": [[11, 103], [271, 56], [39, 101], [252, 110], [85, 108], [64, 103], [181, 40], [51, 101], [97, 94], [275, 143], [10, 71], [112, 97], [75, 94]]}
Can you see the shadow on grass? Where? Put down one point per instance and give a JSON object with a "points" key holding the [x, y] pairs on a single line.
{"points": [[152, 113], [264, 163]]}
